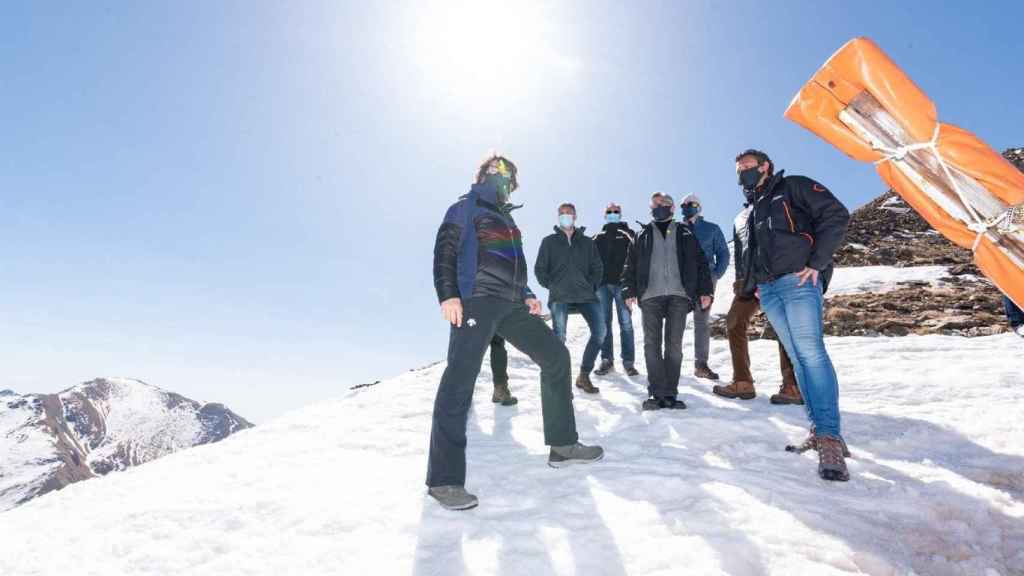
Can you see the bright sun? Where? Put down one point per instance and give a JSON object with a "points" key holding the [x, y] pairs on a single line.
{"points": [[488, 56]]}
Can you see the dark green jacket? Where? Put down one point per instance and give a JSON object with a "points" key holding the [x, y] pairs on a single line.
{"points": [[570, 270]]}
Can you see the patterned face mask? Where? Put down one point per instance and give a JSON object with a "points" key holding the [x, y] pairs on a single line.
{"points": [[502, 175]]}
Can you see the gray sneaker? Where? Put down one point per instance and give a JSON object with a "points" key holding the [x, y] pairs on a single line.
{"points": [[453, 497], [562, 456]]}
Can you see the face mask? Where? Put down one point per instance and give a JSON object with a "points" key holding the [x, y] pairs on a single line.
{"points": [[749, 178], [690, 211], [503, 184], [661, 213], [566, 220], [613, 217]]}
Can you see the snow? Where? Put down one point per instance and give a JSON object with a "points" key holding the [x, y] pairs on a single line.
{"points": [[25, 450], [937, 482]]}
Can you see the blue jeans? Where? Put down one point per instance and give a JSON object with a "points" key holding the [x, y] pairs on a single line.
{"points": [[795, 313], [1013, 313], [608, 294], [591, 312]]}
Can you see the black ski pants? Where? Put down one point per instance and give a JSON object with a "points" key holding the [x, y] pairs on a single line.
{"points": [[482, 318]]}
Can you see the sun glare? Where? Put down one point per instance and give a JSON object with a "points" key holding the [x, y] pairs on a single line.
{"points": [[487, 55]]}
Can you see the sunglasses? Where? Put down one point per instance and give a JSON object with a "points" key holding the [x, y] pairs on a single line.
{"points": [[612, 212]]}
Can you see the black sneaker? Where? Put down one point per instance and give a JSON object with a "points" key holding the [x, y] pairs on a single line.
{"points": [[631, 371], [672, 403], [605, 367], [652, 404]]}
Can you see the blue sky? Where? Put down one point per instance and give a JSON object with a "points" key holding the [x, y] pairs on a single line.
{"points": [[238, 200]]}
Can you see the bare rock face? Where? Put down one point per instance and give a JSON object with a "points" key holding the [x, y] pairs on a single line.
{"points": [[48, 441], [888, 232]]}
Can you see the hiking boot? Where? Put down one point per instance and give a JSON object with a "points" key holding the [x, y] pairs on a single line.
{"points": [[788, 394], [562, 456], [583, 383], [741, 389], [831, 464], [453, 497], [651, 404], [605, 367], [811, 443], [630, 370], [502, 395], [701, 370]]}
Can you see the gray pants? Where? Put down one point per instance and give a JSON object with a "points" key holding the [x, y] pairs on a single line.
{"points": [[701, 333]]}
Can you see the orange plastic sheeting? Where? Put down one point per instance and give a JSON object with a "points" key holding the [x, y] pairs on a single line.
{"points": [[859, 66]]}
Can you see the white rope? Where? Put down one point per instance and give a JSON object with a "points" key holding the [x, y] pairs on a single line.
{"points": [[978, 224]]}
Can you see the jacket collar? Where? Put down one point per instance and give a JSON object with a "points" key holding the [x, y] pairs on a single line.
{"points": [[577, 231], [770, 184], [488, 195]]}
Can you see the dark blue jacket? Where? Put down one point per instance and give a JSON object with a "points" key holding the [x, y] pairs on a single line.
{"points": [[712, 242], [479, 250]]}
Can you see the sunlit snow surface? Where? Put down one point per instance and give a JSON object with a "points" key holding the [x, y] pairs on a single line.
{"points": [[937, 483]]}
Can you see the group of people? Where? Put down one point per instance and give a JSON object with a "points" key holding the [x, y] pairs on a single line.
{"points": [[784, 239]]}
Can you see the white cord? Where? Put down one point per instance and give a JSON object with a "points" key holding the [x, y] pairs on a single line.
{"points": [[979, 224]]}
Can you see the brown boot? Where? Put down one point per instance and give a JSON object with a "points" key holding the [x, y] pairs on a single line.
{"points": [[831, 464], [811, 443], [502, 395], [742, 389], [788, 394], [583, 383]]}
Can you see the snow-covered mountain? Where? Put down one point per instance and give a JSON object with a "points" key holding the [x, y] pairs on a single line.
{"points": [[48, 441]]}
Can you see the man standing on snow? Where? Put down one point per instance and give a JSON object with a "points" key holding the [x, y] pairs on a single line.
{"points": [[613, 244], [569, 266], [744, 306], [712, 242], [665, 271], [480, 278], [1014, 316], [794, 228]]}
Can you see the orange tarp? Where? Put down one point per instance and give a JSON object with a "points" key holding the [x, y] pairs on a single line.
{"points": [[861, 66]]}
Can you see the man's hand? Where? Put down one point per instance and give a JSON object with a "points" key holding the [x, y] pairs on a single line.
{"points": [[705, 302], [451, 309], [535, 307], [630, 303], [808, 273]]}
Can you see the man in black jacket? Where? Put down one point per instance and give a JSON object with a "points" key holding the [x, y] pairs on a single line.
{"points": [[480, 279], [795, 226], [667, 272], [613, 244], [569, 266]]}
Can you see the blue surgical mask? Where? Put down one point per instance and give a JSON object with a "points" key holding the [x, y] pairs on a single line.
{"points": [[613, 217], [566, 220]]}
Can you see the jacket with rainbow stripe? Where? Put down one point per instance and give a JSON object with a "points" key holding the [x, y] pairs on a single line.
{"points": [[479, 250]]}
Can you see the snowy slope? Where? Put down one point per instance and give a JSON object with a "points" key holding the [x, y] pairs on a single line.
{"points": [[337, 488], [51, 440]]}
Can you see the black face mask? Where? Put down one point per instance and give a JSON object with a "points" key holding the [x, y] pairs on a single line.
{"points": [[661, 213], [749, 178]]}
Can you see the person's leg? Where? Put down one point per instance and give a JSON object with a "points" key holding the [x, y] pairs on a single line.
{"points": [[675, 324], [701, 335], [653, 311], [786, 366], [795, 313], [446, 465], [604, 295], [737, 321], [559, 318], [1014, 315], [499, 361], [594, 318], [530, 335], [628, 346]]}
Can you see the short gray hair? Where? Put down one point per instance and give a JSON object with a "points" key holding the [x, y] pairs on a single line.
{"points": [[658, 195]]}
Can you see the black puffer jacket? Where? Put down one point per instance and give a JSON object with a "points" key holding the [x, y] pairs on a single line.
{"points": [[479, 250], [693, 265], [795, 223], [613, 244], [571, 270]]}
